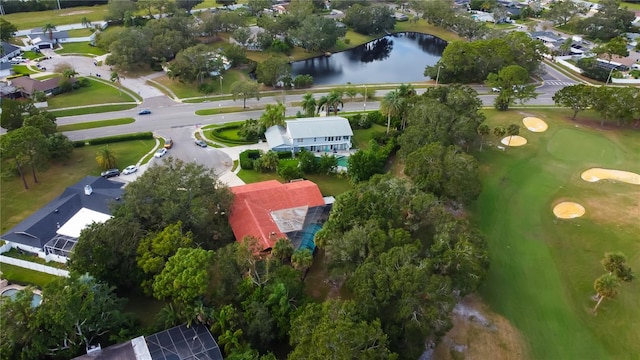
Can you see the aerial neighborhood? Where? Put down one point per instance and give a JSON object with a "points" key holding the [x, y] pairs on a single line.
{"points": [[315, 179]]}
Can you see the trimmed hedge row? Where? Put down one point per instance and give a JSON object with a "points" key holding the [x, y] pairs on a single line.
{"points": [[217, 134], [114, 139]]}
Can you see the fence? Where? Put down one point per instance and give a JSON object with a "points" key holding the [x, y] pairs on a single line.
{"points": [[34, 266]]}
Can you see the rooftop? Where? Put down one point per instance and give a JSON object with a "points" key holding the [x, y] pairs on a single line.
{"points": [[319, 127]]}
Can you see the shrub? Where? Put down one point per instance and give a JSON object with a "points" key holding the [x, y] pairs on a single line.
{"points": [[205, 88], [247, 158], [347, 41], [225, 133], [289, 170], [120, 138], [308, 162], [79, 143], [327, 164], [251, 130], [635, 73], [375, 117], [282, 155], [359, 122], [302, 81]]}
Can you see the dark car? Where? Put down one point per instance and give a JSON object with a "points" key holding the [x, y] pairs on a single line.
{"points": [[110, 173], [144, 112], [201, 143]]}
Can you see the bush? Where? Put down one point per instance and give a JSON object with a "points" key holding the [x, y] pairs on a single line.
{"points": [[220, 133], [83, 82], [327, 164], [359, 122], [289, 170], [347, 41], [119, 138], [283, 155], [251, 130], [205, 88], [375, 117], [302, 81], [635, 73], [308, 162], [247, 158], [79, 143]]}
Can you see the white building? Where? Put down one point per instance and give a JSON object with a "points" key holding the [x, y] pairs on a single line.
{"points": [[317, 134]]}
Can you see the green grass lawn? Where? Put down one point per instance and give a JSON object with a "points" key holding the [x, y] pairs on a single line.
{"points": [[23, 69], [80, 48], [362, 137], [31, 55], [424, 27], [92, 110], [16, 203], [222, 110], [542, 268], [95, 124], [25, 276], [97, 93], [29, 20], [79, 32], [184, 90], [330, 185]]}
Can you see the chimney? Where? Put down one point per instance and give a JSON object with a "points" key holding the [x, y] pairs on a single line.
{"points": [[88, 190]]}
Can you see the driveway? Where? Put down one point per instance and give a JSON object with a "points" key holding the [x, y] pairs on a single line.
{"points": [[185, 149]]}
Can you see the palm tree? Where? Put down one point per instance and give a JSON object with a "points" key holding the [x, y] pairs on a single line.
{"points": [[308, 105], [302, 260], [408, 93], [391, 105], [483, 130], [331, 101], [69, 73], [85, 22], [607, 286], [282, 250], [106, 158], [512, 130], [49, 27]]}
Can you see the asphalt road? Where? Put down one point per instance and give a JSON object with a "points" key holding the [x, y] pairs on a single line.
{"points": [[167, 114]]}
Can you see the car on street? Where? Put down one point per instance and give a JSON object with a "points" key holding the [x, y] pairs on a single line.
{"points": [[110, 173], [168, 144], [201, 143], [495, 89], [144, 112], [160, 153], [129, 170]]}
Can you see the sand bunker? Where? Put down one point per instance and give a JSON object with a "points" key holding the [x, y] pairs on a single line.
{"points": [[514, 140], [534, 124], [568, 210], [597, 174]]}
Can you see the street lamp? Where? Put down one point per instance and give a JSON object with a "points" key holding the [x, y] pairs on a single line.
{"points": [[221, 83], [364, 106], [438, 74]]}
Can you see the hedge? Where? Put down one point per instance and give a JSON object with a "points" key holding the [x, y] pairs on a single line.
{"points": [[120, 138], [79, 143], [217, 134], [247, 157]]}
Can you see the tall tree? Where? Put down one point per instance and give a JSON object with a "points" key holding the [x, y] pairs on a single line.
{"points": [[245, 89], [242, 35], [272, 71], [107, 251], [331, 102], [106, 158], [302, 259], [117, 9], [49, 27], [43, 121], [273, 115], [86, 22], [483, 130], [28, 147], [308, 105], [616, 46], [513, 82], [318, 33], [563, 11], [12, 114], [607, 286], [616, 264], [187, 5], [282, 250], [7, 30], [576, 97], [391, 105]]}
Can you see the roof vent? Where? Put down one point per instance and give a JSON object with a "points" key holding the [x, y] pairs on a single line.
{"points": [[88, 190]]}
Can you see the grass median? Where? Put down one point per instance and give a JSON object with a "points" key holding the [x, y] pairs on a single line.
{"points": [[222, 110], [95, 124], [92, 110]]}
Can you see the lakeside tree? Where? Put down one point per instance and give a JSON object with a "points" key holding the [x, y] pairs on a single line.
{"points": [[369, 20], [576, 97], [272, 71], [178, 191], [318, 33], [514, 83], [245, 89], [107, 251], [391, 105]]}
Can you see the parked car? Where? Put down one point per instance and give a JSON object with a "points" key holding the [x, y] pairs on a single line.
{"points": [[201, 143], [129, 170], [110, 173], [495, 89], [144, 112], [160, 153], [168, 144]]}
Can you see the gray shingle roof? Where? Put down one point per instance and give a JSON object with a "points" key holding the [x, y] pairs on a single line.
{"points": [[319, 127], [8, 48], [277, 137], [42, 225]]}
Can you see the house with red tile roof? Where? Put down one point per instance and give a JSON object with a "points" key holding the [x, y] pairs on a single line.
{"points": [[271, 210]]}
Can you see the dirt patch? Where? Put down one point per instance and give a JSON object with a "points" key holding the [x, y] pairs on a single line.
{"points": [[478, 333], [568, 210], [80, 12], [597, 174], [534, 124], [514, 140], [615, 208]]}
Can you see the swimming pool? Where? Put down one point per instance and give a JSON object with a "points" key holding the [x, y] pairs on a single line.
{"points": [[11, 293], [343, 161]]}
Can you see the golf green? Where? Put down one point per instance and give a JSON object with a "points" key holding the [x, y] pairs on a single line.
{"points": [[543, 268]]}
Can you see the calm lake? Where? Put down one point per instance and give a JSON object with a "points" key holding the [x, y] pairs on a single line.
{"points": [[394, 58]]}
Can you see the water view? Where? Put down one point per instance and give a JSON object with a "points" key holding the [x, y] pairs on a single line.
{"points": [[394, 58]]}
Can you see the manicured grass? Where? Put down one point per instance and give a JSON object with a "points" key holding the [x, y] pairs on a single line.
{"points": [[630, 6], [183, 90], [355, 39], [222, 110], [97, 93], [330, 185], [16, 203], [25, 276], [29, 20], [14, 253], [542, 269], [79, 32], [23, 69], [92, 110], [362, 137], [424, 27], [95, 124], [80, 48], [31, 55]]}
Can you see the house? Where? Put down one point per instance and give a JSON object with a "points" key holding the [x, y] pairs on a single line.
{"points": [[9, 51], [178, 343], [331, 133], [29, 86], [46, 40], [53, 231], [6, 69], [270, 210], [8, 91]]}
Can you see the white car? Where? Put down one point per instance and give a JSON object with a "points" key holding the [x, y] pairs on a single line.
{"points": [[160, 153], [129, 170]]}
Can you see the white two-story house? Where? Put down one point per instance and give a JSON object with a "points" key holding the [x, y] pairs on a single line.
{"points": [[318, 134]]}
